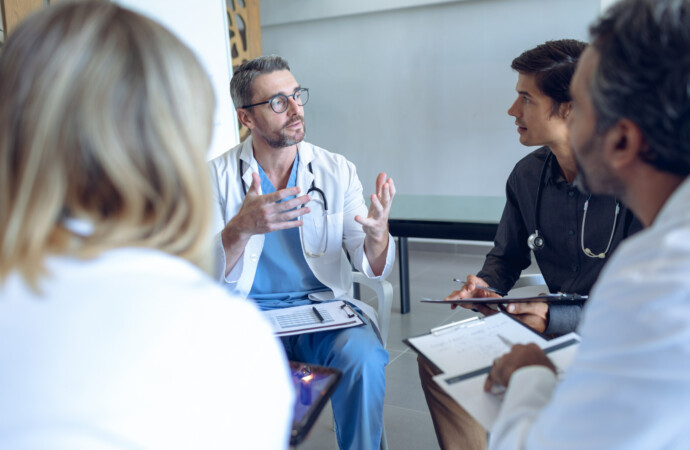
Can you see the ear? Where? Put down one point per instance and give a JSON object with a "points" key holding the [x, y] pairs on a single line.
{"points": [[564, 110], [245, 118], [623, 143]]}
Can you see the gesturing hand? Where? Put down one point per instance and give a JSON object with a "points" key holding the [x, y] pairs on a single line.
{"points": [[375, 225], [261, 214]]}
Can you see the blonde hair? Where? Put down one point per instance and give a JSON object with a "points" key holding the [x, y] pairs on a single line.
{"points": [[105, 117]]}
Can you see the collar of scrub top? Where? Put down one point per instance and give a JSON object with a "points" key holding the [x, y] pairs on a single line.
{"points": [[305, 177]]}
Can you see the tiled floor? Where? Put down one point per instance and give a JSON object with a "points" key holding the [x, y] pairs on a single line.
{"points": [[406, 416]]}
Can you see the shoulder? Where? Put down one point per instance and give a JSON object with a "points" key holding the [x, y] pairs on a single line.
{"points": [[532, 162], [228, 160], [527, 172], [324, 159]]}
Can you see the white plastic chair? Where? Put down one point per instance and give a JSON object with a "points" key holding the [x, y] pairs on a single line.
{"points": [[384, 294]]}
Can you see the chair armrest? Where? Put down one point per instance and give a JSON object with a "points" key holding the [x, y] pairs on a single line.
{"points": [[384, 293]]}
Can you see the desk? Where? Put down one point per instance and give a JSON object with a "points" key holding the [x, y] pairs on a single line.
{"points": [[467, 218]]}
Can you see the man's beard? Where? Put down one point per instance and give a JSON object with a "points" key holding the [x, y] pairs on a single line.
{"points": [[281, 140], [598, 180], [581, 180]]}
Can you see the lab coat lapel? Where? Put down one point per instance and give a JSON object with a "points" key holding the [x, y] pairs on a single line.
{"points": [[250, 166], [304, 176]]}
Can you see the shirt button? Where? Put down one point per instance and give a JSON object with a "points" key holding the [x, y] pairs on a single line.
{"points": [[571, 232], [571, 193], [575, 267], [254, 256]]}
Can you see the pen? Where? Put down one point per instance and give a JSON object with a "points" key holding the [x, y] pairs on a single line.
{"points": [[318, 314], [505, 340], [484, 288]]}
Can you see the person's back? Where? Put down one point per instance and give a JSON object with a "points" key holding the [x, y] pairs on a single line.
{"points": [[135, 349], [111, 334]]}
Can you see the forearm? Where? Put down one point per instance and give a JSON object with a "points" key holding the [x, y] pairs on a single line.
{"points": [[499, 272], [234, 244], [529, 391], [376, 250], [563, 318]]}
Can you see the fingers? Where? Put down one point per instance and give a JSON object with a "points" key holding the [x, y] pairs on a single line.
{"points": [[255, 186], [292, 204], [487, 311], [456, 295], [532, 314], [380, 180], [283, 193], [391, 187], [528, 308], [385, 189]]}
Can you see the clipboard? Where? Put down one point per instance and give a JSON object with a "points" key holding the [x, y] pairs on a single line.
{"points": [[461, 346], [551, 299], [467, 389], [464, 352], [323, 316], [313, 385]]}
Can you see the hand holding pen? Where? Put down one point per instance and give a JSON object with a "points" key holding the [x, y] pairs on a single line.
{"points": [[519, 356], [474, 287]]}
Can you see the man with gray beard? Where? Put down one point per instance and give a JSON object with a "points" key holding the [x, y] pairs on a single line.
{"points": [[285, 250], [629, 385]]}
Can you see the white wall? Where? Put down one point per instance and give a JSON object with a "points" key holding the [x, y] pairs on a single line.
{"points": [[418, 92], [202, 25]]}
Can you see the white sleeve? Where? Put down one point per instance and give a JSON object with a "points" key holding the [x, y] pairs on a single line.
{"points": [[353, 236], [530, 389]]}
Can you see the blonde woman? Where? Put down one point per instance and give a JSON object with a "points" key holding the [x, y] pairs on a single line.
{"points": [[110, 334]]}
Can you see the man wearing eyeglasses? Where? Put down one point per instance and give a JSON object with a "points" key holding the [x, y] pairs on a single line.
{"points": [[288, 213]]}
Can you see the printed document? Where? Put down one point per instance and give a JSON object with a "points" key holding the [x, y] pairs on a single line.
{"points": [[313, 318]]}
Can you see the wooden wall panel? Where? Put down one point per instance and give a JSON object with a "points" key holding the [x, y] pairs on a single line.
{"points": [[244, 26], [13, 11]]}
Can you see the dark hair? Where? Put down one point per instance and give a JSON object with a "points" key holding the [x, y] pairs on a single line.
{"points": [[644, 75], [553, 64], [244, 76]]}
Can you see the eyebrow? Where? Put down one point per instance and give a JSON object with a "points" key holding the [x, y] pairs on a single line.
{"points": [[283, 93], [525, 93]]}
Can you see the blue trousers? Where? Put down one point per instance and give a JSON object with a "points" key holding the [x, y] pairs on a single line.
{"points": [[358, 400]]}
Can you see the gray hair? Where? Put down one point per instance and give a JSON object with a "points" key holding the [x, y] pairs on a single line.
{"points": [[644, 75], [244, 76]]}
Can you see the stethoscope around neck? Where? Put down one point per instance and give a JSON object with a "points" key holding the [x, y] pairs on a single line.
{"points": [[536, 241], [313, 188]]}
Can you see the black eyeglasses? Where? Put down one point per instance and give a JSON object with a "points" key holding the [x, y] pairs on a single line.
{"points": [[279, 102]]}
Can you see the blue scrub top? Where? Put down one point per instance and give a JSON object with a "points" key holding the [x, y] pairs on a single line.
{"points": [[283, 278]]}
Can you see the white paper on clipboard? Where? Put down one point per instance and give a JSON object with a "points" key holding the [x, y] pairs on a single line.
{"points": [[313, 318]]}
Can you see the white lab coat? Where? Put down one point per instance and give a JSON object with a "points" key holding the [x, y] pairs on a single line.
{"points": [[136, 348], [629, 385], [333, 174]]}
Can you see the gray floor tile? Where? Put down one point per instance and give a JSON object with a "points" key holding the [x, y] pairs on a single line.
{"points": [[402, 382], [408, 429], [408, 423]]}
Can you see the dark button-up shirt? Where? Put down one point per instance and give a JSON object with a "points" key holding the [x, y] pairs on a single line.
{"points": [[562, 262]]}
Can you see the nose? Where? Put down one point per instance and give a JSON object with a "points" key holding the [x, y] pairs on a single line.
{"points": [[293, 106], [514, 109]]}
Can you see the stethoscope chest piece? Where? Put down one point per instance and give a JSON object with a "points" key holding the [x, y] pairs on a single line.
{"points": [[535, 241]]}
